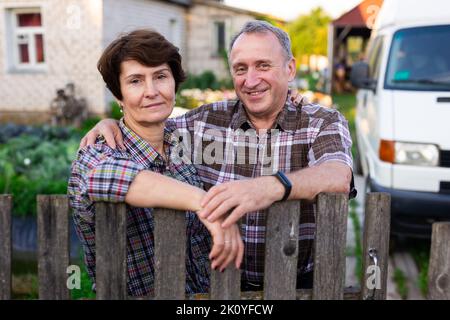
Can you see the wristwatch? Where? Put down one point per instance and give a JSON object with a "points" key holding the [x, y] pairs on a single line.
{"points": [[286, 184]]}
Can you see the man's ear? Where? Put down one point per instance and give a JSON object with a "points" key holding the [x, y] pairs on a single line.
{"points": [[292, 69]]}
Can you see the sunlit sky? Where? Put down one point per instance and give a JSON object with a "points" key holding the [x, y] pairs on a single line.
{"points": [[290, 9]]}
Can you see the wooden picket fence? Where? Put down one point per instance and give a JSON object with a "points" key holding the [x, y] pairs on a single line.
{"points": [[280, 256]]}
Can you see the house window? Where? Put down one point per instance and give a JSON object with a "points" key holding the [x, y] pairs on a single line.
{"points": [[27, 39], [219, 37]]}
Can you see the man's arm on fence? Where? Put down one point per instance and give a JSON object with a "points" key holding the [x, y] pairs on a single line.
{"points": [[329, 170], [256, 194]]}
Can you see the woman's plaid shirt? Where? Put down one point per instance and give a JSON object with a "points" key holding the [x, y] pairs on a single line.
{"points": [[100, 173], [222, 143]]}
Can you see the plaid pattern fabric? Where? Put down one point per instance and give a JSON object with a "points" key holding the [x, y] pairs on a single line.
{"points": [[301, 137], [100, 173]]}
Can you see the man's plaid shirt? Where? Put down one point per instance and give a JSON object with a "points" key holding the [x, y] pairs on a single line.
{"points": [[100, 173], [222, 143]]}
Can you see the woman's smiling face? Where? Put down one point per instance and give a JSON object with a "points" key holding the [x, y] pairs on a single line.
{"points": [[148, 93]]}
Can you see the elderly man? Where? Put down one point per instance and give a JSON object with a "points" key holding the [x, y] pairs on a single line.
{"points": [[273, 150]]}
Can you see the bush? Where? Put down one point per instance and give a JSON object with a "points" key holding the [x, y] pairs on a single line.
{"points": [[10, 130], [36, 164], [116, 112], [206, 80], [87, 125]]}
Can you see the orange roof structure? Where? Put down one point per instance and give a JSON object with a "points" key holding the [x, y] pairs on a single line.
{"points": [[363, 15]]}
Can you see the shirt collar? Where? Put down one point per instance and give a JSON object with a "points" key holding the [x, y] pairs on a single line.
{"points": [[287, 119], [141, 150]]}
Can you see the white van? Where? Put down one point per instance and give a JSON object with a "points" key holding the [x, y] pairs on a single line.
{"points": [[403, 112]]}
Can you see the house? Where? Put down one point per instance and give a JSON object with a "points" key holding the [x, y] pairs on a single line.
{"points": [[45, 44], [211, 25]]}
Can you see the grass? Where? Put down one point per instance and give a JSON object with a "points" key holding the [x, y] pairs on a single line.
{"points": [[25, 284], [357, 251], [85, 291], [346, 104], [421, 255], [400, 281]]}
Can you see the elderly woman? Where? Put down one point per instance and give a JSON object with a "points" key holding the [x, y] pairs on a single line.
{"points": [[143, 71]]}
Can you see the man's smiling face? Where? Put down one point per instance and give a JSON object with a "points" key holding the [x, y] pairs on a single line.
{"points": [[261, 73]]}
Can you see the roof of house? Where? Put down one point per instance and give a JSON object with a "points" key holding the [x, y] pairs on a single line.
{"points": [[363, 15]]}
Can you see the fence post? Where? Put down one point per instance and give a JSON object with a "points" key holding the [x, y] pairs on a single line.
{"points": [[376, 237], [439, 267], [170, 252], [280, 266], [329, 247], [111, 251], [53, 246], [5, 246]]}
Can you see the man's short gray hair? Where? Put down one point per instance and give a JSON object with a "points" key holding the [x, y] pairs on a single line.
{"points": [[259, 26]]}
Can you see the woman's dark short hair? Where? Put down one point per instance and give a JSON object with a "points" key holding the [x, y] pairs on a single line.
{"points": [[147, 47]]}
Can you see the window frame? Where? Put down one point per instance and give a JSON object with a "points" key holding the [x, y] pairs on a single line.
{"points": [[216, 47], [31, 32]]}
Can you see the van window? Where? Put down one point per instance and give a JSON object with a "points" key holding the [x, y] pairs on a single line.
{"points": [[419, 59], [374, 56]]}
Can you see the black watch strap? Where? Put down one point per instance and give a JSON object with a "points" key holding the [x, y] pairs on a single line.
{"points": [[286, 184]]}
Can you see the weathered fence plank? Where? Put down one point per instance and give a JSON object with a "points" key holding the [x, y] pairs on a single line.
{"points": [[170, 253], [350, 293], [329, 247], [53, 246], [439, 267], [111, 251], [376, 244], [226, 285], [170, 246], [280, 271], [5, 246]]}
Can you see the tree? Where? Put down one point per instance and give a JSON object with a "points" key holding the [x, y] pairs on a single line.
{"points": [[309, 33]]}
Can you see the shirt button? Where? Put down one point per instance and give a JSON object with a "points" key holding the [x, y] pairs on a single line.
{"points": [[180, 138], [181, 153]]}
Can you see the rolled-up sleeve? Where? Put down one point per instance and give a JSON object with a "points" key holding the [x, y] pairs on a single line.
{"points": [[110, 179], [332, 142], [100, 173]]}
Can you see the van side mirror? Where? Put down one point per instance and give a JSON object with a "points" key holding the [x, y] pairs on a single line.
{"points": [[359, 76]]}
